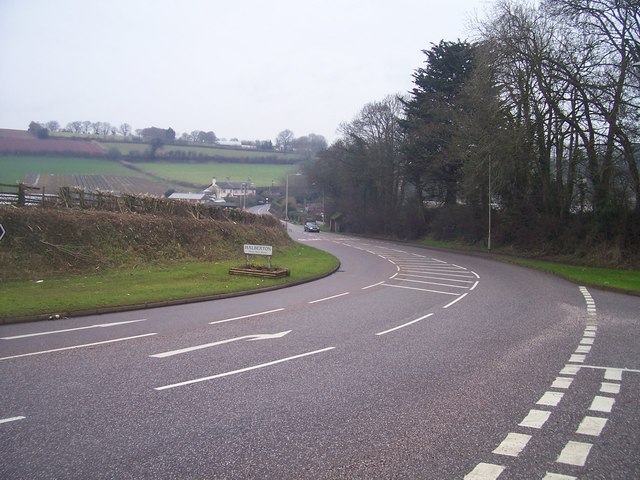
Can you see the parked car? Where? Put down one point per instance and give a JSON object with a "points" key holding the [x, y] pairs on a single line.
{"points": [[311, 227]]}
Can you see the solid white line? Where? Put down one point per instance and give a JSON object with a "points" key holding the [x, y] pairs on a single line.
{"points": [[513, 444], [474, 285], [535, 419], [562, 382], [374, 285], [602, 404], [234, 372], [591, 426], [404, 325], [421, 289], [79, 346], [246, 316], [330, 298], [103, 325], [456, 300], [575, 453], [12, 419], [431, 283], [550, 399], [485, 471]]}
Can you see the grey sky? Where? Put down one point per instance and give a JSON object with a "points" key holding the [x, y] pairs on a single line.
{"points": [[247, 69]]}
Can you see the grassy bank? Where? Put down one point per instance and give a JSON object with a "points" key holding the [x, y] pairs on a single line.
{"points": [[66, 294]]}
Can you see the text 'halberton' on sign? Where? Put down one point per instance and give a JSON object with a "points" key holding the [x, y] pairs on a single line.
{"points": [[258, 250]]}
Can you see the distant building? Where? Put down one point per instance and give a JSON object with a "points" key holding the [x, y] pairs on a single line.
{"points": [[218, 193]]}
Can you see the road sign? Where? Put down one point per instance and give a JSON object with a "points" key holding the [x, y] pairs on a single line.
{"points": [[258, 250], [1, 231]]}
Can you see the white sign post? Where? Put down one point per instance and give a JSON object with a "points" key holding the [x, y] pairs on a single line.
{"points": [[258, 250], [2, 232]]}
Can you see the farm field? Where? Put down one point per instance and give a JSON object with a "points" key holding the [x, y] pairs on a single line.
{"points": [[14, 168], [262, 175], [202, 151]]}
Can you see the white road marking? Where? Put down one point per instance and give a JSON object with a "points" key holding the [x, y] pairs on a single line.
{"points": [[550, 399], [607, 387], [589, 334], [260, 336], [535, 419], [102, 325], [576, 358], [602, 404], [575, 453], [330, 298], [591, 328], [11, 419], [420, 289], [570, 370], [557, 476], [562, 382], [613, 374], [431, 283], [456, 300], [246, 316], [485, 471], [435, 278], [583, 349], [587, 341], [242, 370], [513, 444], [374, 285], [78, 346], [405, 325], [591, 426]]}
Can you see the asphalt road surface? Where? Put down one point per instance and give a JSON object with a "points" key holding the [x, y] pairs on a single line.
{"points": [[407, 363]]}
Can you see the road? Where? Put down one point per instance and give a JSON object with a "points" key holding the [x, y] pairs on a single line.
{"points": [[407, 363]]}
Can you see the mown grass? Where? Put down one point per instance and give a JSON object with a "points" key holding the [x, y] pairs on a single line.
{"points": [[118, 288], [623, 280]]}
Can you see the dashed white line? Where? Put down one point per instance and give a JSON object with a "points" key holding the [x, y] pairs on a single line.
{"points": [[102, 325], [562, 382], [575, 453], [577, 358], [11, 419], [330, 298], [246, 316], [558, 476], [242, 370], [404, 325], [613, 374], [513, 444], [550, 399], [607, 387], [485, 471], [78, 346], [535, 419], [592, 426], [583, 349], [602, 404]]}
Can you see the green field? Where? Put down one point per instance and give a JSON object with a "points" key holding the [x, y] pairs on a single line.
{"points": [[202, 173], [137, 148], [14, 168]]}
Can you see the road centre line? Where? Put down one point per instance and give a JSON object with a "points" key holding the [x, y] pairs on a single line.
{"points": [[242, 370], [102, 325], [246, 316], [79, 346], [329, 298], [11, 419], [404, 325]]}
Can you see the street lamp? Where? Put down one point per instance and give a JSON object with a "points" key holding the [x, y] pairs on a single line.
{"points": [[286, 196]]}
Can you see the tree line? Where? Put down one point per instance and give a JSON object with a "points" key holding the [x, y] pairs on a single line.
{"points": [[534, 127]]}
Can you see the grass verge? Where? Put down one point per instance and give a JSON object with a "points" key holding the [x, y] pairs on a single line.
{"points": [[627, 281], [120, 288]]}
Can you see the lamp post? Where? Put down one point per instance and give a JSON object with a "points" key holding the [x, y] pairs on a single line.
{"points": [[286, 197]]}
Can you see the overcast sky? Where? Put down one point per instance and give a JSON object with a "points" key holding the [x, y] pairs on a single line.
{"points": [[241, 68]]}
